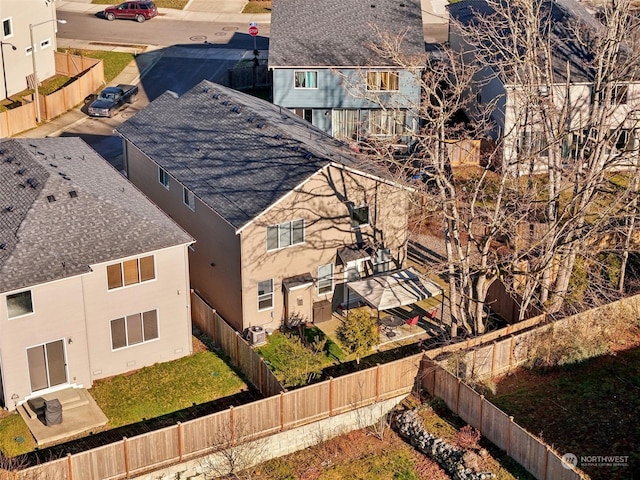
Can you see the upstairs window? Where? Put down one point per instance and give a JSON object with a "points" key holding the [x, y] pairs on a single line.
{"points": [[285, 234], [306, 79], [130, 272], [163, 177], [19, 304], [359, 216], [189, 199], [619, 94], [325, 278], [265, 294], [7, 27], [382, 81]]}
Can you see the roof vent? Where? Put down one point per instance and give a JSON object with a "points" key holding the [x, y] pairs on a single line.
{"points": [[3, 151], [295, 148], [278, 136], [73, 194], [3, 246], [260, 125], [67, 158], [216, 96], [236, 109], [9, 159], [206, 89], [53, 165], [251, 119], [40, 153], [22, 185], [33, 183], [21, 171], [308, 156], [226, 102], [8, 208], [51, 198]]}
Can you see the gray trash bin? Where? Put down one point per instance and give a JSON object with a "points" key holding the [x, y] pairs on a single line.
{"points": [[53, 412]]}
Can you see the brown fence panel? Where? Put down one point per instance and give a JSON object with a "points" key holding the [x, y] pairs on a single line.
{"points": [[483, 361], [19, 119], [54, 104], [307, 404], [153, 448], [502, 357], [103, 462], [256, 419], [446, 387], [354, 390], [527, 450], [557, 471], [495, 425], [470, 406], [76, 92], [398, 377], [202, 316], [206, 432], [56, 469]]}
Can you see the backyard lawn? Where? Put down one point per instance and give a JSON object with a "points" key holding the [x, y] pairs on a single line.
{"points": [[146, 393]]}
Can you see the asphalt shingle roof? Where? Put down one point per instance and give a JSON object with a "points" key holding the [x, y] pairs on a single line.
{"points": [[95, 215], [237, 153], [564, 15], [339, 32]]}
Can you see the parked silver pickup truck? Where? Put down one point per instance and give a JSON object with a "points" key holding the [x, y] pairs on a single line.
{"points": [[111, 98]]}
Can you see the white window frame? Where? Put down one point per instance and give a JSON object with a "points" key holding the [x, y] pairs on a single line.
{"points": [[378, 126], [352, 209], [189, 199], [375, 82], [295, 77], [23, 314], [46, 43], [126, 330], [381, 261], [281, 227], [163, 177], [11, 34], [325, 279], [267, 295]]}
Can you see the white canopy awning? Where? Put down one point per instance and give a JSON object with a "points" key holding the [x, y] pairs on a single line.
{"points": [[396, 289]]}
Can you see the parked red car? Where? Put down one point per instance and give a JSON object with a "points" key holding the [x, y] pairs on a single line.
{"points": [[140, 11]]}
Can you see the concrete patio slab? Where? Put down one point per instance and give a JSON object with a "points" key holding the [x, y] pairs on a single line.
{"points": [[80, 413]]}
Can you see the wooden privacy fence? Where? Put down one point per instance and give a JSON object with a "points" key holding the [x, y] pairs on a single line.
{"points": [[198, 437], [493, 354], [237, 349], [89, 73], [463, 152], [526, 449]]}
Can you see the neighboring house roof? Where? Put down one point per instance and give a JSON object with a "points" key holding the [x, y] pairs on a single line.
{"points": [[237, 153], [566, 48], [339, 32], [97, 215]]}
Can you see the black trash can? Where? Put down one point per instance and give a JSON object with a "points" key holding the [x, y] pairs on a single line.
{"points": [[53, 412]]}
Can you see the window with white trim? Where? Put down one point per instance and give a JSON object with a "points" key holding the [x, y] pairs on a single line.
{"points": [[387, 122], [130, 272], [45, 44], [325, 278], [134, 329], [163, 177], [382, 81], [265, 294], [359, 216], [382, 260], [285, 234], [189, 199], [305, 79], [7, 27], [19, 304]]}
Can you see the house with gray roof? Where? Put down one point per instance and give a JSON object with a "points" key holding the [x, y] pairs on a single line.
{"points": [[569, 83], [331, 67], [93, 277], [282, 213]]}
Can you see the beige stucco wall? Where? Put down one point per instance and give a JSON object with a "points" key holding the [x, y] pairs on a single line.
{"points": [[321, 202], [18, 64], [216, 241], [79, 309]]}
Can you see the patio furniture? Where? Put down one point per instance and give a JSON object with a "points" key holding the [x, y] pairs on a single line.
{"points": [[412, 321], [53, 412], [432, 314], [37, 406], [390, 323]]}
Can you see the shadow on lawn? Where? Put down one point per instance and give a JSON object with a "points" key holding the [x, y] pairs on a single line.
{"points": [[115, 435]]}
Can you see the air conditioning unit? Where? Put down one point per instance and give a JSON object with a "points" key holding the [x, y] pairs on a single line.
{"points": [[257, 335]]}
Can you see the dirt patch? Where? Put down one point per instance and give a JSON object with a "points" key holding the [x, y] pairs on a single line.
{"points": [[588, 409]]}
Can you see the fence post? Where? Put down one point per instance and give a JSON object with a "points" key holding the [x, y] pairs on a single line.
{"points": [[377, 382], [69, 466], [546, 463], [493, 359], [282, 411], [473, 364], [511, 346], [509, 436], [232, 427], [235, 353], [458, 396], [180, 441], [126, 456], [331, 396], [481, 408]]}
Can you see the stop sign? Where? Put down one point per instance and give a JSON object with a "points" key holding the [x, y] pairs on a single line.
{"points": [[253, 30]]}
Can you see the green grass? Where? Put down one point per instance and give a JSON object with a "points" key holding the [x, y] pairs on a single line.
{"points": [[13, 426], [165, 388], [177, 4], [113, 62], [331, 349]]}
